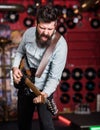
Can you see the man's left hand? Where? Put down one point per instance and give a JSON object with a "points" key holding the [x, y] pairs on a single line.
{"points": [[41, 98]]}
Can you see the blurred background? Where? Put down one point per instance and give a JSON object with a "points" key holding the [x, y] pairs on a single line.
{"points": [[79, 22]]}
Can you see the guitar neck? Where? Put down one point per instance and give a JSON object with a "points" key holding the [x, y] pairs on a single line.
{"points": [[34, 89], [32, 86], [28, 81]]}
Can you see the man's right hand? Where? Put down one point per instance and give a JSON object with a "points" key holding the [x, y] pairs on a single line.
{"points": [[17, 75]]}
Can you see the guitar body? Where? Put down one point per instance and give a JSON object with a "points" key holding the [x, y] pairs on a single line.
{"points": [[24, 71], [21, 84]]}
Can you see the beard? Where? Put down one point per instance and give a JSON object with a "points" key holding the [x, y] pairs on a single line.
{"points": [[40, 42]]}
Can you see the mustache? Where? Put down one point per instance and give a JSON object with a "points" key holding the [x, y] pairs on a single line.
{"points": [[43, 35]]}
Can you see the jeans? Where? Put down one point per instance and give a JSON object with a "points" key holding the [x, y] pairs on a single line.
{"points": [[26, 108]]}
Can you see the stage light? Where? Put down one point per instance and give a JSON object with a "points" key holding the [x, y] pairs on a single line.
{"points": [[38, 2], [65, 120], [75, 20], [94, 127]]}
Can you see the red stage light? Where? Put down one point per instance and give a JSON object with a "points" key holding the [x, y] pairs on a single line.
{"points": [[65, 120]]}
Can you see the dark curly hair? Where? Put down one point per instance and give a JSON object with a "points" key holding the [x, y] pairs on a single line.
{"points": [[47, 13]]}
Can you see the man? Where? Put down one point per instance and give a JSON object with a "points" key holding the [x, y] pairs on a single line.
{"points": [[33, 45]]}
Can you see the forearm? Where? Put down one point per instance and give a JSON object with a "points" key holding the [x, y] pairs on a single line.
{"points": [[51, 86]]}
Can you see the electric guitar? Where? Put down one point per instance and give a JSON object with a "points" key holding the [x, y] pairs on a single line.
{"points": [[51, 105]]}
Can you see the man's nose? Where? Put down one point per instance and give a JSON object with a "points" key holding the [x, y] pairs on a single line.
{"points": [[46, 32]]}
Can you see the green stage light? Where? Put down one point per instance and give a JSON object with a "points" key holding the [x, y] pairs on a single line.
{"points": [[95, 128]]}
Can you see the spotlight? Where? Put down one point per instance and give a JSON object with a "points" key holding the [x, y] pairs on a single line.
{"points": [[65, 120], [37, 3]]}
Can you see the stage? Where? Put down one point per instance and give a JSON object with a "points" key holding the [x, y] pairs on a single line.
{"points": [[83, 121], [74, 122]]}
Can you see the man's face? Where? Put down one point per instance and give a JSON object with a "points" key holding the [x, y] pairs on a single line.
{"points": [[44, 32]]}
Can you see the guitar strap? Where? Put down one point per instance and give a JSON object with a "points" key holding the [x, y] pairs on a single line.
{"points": [[47, 55]]}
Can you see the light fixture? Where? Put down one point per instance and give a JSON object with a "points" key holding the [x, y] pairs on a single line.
{"points": [[38, 2], [65, 120]]}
